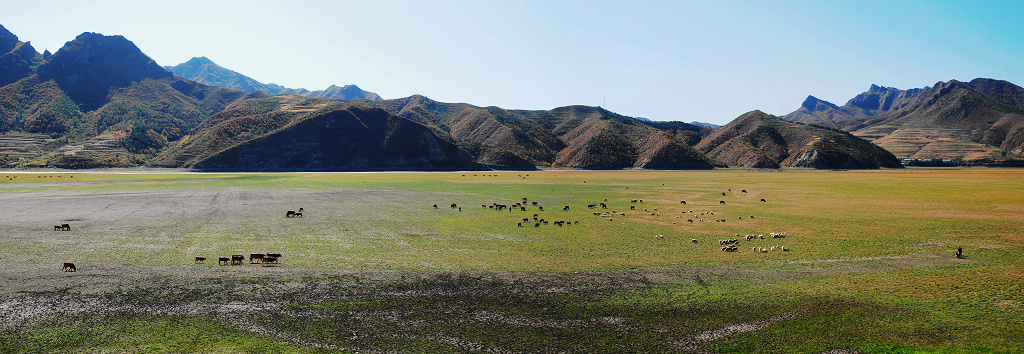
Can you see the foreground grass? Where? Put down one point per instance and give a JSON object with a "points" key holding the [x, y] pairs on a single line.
{"points": [[871, 268]]}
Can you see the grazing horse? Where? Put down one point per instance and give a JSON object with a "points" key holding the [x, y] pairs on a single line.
{"points": [[254, 256], [200, 260], [290, 214], [268, 261], [65, 227], [69, 267], [223, 260], [237, 259]]}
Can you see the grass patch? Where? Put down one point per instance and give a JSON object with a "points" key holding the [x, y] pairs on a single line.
{"points": [[150, 334]]}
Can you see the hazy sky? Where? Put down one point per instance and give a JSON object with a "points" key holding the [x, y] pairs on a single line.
{"points": [[704, 61]]}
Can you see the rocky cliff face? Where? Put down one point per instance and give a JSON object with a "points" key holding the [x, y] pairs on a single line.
{"points": [[880, 99], [17, 59]]}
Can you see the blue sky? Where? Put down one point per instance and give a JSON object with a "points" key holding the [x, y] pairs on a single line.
{"points": [[704, 61]]}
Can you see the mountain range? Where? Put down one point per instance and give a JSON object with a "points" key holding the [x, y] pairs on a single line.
{"points": [[205, 71], [100, 102], [981, 121]]}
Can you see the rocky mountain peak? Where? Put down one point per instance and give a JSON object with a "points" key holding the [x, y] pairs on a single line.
{"points": [[200, 61], [89, 66], [814, 104], [880, 99]]}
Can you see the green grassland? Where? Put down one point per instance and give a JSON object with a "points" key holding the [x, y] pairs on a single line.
{"points": [[373, 266]]}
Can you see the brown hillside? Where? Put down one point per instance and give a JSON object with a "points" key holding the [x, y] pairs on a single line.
{"points": [[352, 138], [573, 136], [760, 140]]}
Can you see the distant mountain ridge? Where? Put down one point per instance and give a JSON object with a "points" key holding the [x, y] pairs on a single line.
{"points": [[205, 71], [100, 102], [981, 120], [573, 136]]}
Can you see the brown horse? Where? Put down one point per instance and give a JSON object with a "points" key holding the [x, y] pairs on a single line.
{"points": [[69, 267]]}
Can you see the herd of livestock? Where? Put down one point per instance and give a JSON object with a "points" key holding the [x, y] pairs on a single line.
{"points": [[264, 259], [729, 245]]}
